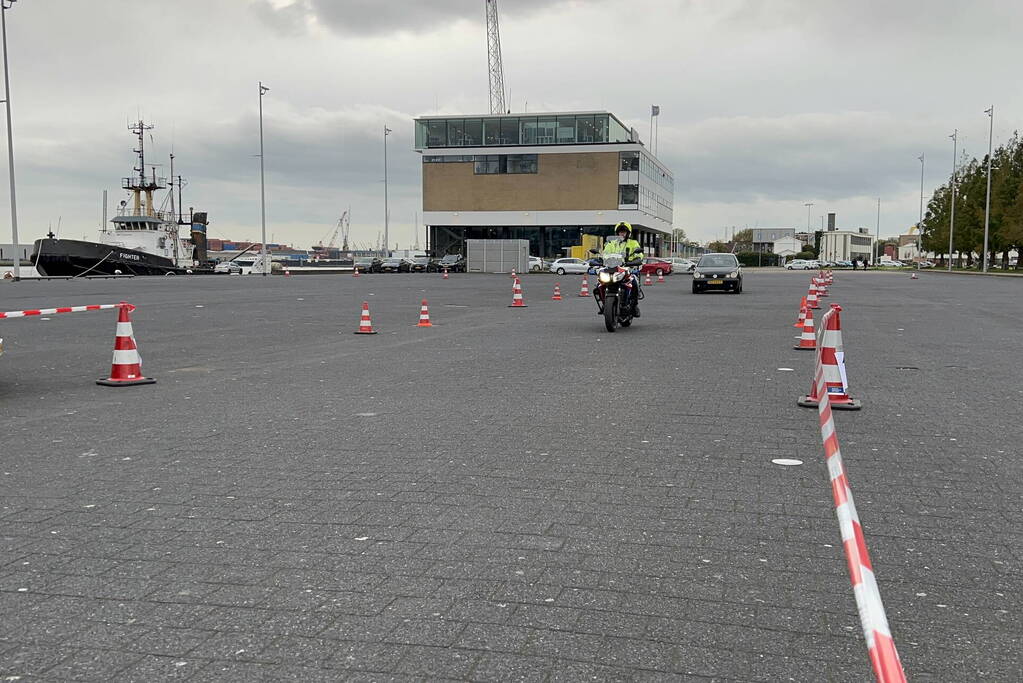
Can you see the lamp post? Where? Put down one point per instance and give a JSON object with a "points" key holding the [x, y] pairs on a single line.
{"points": [[919, 223], [877, 234], [387, 131], [262, 181], [952, 214], [4, 6], [987, 202]]}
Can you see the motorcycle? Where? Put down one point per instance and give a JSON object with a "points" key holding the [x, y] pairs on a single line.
{"points": [[615, 288]]}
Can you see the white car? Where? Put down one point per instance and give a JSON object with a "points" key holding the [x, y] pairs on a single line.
{"points": [[536, 264], [569, 265], [885, 263], [800, 264], [682, 265]]}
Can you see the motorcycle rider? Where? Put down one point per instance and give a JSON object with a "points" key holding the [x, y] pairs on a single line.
{"points": [[630, 250]]}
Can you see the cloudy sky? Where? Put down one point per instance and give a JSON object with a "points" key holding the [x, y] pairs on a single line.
{"points": [[765, 105]]}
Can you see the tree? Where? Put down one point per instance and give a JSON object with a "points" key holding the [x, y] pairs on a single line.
{"points": [[743, 236], [719, 246], [678, 235]]}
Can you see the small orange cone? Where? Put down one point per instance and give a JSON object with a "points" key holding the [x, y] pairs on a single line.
{"points": [[287, 273], [660, 278], [557, 292], [913, 276], [647, 281], [513, 274], [424, 316], [517, 300], [585, 291], [365, 324], [445, 273], [802, 313], [355, 273], [126, 367], [807, 340]]}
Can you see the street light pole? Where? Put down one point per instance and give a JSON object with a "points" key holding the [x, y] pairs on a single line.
{"points": [[4, 6], [877, 234], [262, 181], [987, 202], [952, 214], [919, 223], [387, 131]]}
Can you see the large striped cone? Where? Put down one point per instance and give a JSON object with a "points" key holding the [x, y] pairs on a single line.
{"points": [[517, 300], [822, 288], [365, 324], [831, 356], [557, 292], [660, 277], [802, 313], [811, 298], [648, 281], [807, 339], [424, 315], [126, 368], [585, 291]]}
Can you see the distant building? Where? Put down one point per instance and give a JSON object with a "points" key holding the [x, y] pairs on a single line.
{"points": [[845, 245], [548, 178], [764, 238], [787, 247]]}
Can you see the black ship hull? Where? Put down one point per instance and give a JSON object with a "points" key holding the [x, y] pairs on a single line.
{"points": [[68, 258]]}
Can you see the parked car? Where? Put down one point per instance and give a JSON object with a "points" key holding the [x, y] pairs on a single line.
{"points": [[453, 263], [655, 266], [890, 263], [367, 264], [229, 267], [536, 264], [569, 265], [419, 264], [844, 264], [718, 271], [394, 265], [799, 264], [925, 264], [682, 265]]}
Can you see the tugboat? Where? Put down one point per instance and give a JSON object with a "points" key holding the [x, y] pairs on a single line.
{"points": [[143, 240]]}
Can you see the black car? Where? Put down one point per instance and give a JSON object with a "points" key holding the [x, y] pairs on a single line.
{"points": [[368, 264], [453, 263], [419, 264], [718, 271], [394, 265]]}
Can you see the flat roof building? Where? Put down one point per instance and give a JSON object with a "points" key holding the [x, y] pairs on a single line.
{"points": [[846, 245], [550, 178]]}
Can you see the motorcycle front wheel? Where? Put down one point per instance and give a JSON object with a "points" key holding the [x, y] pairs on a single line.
{"points": [[611, 313]]}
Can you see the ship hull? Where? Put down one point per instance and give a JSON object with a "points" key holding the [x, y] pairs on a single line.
{"points": [[68, 258]]}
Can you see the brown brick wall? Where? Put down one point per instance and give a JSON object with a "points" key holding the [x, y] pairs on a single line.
{"points": [[563, 182]]}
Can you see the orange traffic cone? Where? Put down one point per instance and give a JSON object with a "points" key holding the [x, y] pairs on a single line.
{"points": [[355, 273], [445, 273], [822, 288], [832, 364], [517, 300], [807, 340], [513, 274], [585, 291], [802, 313], [647, 282], [811, 298], [424, 315], [557, 292], [913, 276], [660, 278], [126, 367], [365, 324]]}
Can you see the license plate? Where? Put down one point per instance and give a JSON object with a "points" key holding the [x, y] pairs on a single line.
{"points": [[715, 282]]}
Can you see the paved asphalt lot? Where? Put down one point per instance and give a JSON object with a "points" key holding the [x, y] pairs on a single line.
{"points": [[512, 494]]}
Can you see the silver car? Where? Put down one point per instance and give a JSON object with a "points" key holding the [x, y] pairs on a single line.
{"points": [[569, 265]]}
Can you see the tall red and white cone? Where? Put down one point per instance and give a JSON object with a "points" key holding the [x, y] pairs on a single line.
{"points": [[648, 281], [557, 292], [802, 314], [807, 340], [355, 273], [424, 315], [126, 367], [445, 273], [660, 277], [811, 298], [585, 291], [517, 300], [822, 288], [913, 276], [831, 357], [365, 324], [514, 276]]}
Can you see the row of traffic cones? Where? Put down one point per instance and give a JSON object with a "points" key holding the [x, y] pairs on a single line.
{"points": [[356, 273], [366, 323]]}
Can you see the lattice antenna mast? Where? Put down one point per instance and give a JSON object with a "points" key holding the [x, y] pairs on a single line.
{"points": [[497, 105]]}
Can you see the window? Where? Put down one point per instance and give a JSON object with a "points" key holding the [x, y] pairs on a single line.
{"points": [[566, 130], [432, 159], [456, 133], [437, 133], [473, 130], [527, 130], [491, 131], [487, 164], [629, 161], [585, 130], [521, 163], [509, 131], [628, 194]]}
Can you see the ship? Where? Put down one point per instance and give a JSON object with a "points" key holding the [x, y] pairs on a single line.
{"points": [[142, 239]]}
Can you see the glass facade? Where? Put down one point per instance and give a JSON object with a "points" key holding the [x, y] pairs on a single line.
{"points": [[541, 129], [545, 241]]}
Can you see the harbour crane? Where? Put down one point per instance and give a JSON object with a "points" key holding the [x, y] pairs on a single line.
{"points": [[343, 226], [496, 66]]}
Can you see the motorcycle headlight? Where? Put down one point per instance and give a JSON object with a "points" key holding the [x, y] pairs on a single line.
{"points": [[604, 277]]}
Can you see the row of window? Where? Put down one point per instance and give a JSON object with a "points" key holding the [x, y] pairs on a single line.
{"points": [[490, 164], [520, 130]]}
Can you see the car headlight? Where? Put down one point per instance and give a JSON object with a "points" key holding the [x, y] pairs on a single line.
{"points": [[604, 277], [735, 274], [697, 273]]}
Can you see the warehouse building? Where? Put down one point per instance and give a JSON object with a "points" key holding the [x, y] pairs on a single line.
{"points": [[552, 179]]}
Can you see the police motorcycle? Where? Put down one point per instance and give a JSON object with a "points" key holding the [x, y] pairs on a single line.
{"points": [[616, 286]]}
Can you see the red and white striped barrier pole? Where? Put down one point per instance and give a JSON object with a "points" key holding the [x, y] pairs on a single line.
{"points": [[880, 646], [55, 311]]}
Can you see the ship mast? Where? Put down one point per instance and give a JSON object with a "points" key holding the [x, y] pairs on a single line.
{"points": [[140, 184]]}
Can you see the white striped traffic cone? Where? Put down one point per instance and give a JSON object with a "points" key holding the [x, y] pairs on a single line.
{"points": [[557, 292], [832, 360], [365, 324], [424, 315], [807, 340], [126, 367], [517, 300], [585, 291]]}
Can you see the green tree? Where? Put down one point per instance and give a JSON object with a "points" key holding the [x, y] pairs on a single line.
{"points": [[719, 246]]}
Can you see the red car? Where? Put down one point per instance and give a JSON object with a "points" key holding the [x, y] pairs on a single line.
{"points": [[655, 266]]}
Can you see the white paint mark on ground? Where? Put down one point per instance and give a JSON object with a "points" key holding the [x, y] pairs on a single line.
{"points": [[787, 462], [785, 370], [365, 414]]}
